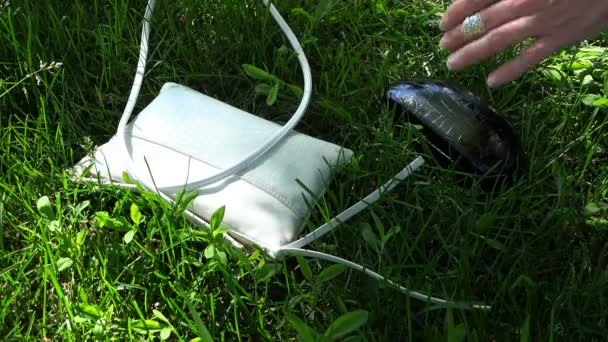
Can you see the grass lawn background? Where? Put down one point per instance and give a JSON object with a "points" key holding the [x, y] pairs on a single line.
{"points": [[536, 251]]}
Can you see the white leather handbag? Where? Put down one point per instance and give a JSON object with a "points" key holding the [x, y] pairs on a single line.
{"points": [[185, 140]]}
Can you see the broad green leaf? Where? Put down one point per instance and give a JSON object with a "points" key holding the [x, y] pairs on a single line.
{"points": [[129, 236], [160, 316], [118, 225], [188, 199], [554, 74], [590, 98], [263, 88], [105, 221], [110, 312], [221, 230], [45, 208], [135, 214], [81, 207], [579, 65], [98, 329], [495, 244], [165, 333], [597, 223], [592, 209], [304, 267], [306, 333], [54, 226], [102, 218], [369, 236], [89, 311], [164, 277], [257, 73], [126, 178], [347, 324], [179, 196], [217, 217], [63, 264], [147, 326], [394, 230], [595, 208], [378, 222], [80, 319], [210, 252], [222, 256], [254, 255], [272, 95], [587, 80], [380, 8], [603, 102], [591, 51], [80, 237], [330, 273]]}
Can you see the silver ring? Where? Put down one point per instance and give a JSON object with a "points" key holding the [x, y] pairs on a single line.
{"points": [[473, 25]]}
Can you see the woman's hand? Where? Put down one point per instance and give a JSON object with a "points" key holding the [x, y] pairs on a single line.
{"points": [[553, 24]]}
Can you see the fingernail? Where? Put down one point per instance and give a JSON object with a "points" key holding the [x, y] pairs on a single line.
{"points": [[443, 22], [442, 42], [492, 81], [451, 61]]}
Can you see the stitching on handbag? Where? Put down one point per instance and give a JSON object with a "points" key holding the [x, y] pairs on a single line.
{"points": [[244, 236], [249, 180]]}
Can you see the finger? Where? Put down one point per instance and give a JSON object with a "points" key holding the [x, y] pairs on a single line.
{"points": [[529, 57], [461, 9], [494, 42], [493, 16], [534, 55]]}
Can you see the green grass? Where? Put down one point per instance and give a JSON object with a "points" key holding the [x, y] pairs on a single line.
{"points": [[536, 251]]}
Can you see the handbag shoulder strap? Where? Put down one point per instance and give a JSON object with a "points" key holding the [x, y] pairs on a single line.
{"points": [[278, 137], [359, 206], [295, 248], [414, 294]]}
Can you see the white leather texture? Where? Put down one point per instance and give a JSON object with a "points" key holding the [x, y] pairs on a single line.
{"points": [[186, 136]]}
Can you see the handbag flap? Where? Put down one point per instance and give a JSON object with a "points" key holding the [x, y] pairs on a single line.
{"points": [[220, 135]]}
